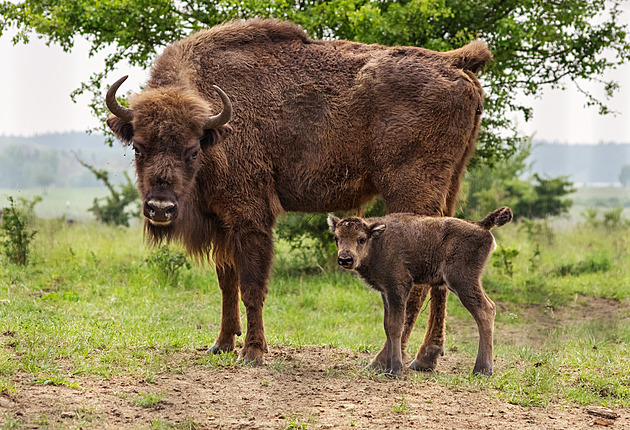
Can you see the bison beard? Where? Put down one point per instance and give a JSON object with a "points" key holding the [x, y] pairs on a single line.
{"points": [[316, 126]]}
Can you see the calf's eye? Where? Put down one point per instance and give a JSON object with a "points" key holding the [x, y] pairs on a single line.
{"points": [[361, 241]]}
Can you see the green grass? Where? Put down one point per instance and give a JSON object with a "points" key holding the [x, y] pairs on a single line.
{"points": [[148, 400], [88, 304]]}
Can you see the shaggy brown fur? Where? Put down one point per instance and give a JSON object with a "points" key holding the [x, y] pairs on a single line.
{"points": [[317, 126], [394, 252]]}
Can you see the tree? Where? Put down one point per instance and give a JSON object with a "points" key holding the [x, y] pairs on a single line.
{"points": [[624, 176], [489, 187], [536, 43]]}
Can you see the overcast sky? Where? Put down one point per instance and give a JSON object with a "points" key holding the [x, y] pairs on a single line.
{"points": [[36, 81]]}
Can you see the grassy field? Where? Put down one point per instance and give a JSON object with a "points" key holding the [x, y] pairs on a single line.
{"points": [[73, 203], [90, 305]]}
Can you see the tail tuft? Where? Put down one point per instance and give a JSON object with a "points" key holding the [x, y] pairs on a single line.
{"points": [[497, 218], [473, 56]]}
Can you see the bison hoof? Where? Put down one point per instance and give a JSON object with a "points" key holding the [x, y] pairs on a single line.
{"points": [[394, 374], [482, 370], [217, 349], [254, 356], [377, 365]]}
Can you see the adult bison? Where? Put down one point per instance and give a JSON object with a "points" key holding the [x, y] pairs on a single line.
{"points": [[316, 126]]}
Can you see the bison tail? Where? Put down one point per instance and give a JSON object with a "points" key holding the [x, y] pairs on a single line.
{"points": [[497, 218], [473, 56]]}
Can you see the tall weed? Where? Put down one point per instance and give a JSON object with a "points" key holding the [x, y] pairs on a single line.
{"points": [[16, 231]]}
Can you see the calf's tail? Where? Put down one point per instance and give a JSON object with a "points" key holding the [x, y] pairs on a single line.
{"points": [[497, 218]]}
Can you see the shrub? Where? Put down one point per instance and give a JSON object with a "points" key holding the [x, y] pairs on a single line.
{"points": [[592, 264], [167, 265], [308, 233], [503, 259], [17, 236], [113, 208], [613, 219]]}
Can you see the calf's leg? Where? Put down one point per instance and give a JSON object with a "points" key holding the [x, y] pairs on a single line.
{"points": [[380, 361], [415, 301], [483, 310], [230, 316], [396, 299], [433, 345]]}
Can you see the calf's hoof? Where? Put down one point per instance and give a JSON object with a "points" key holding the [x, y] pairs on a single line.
{"points": [[427, 358]]}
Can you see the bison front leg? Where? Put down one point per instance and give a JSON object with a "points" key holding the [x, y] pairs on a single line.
{"points": [[230, 316], [254, 256]]}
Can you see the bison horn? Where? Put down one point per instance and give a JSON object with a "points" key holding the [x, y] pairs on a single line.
{"points": [[114, 107], [218, 120]]}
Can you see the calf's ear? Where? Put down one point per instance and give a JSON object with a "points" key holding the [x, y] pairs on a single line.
{"points": [[376, 229], [332, 222], [123, 130]]}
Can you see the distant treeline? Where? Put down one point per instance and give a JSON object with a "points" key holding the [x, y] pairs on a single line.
{"points": [[48, 159], [583, 164]]}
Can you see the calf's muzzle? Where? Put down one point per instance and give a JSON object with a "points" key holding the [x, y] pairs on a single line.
{"points": [[345, 261]]}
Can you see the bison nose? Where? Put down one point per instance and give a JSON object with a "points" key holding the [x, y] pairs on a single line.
{"points": [[345, 262], [160, 212]]}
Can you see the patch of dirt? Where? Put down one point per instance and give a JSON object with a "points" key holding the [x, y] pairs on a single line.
{"points": [[308, 387]]}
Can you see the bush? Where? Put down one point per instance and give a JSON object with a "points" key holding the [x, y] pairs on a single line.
{"points": [[592, 264], [486, 188], [308, 233], [15, 230], [503, 259], [167, 264], [611, 219], [113, 209]]}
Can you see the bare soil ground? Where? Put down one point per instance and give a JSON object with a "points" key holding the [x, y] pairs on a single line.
{"points": [[306, 387], [317, 386]]}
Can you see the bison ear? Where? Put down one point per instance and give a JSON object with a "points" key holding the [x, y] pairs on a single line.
{"points": [[332, 222], [123, 130], [213, 136], [376, 229]]}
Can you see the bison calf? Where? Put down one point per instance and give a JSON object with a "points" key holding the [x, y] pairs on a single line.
{"points": [[393, 252]]}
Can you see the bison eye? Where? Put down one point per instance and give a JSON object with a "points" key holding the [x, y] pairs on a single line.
{"points": [[137, 152], [361, 241], [194, 155]]}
